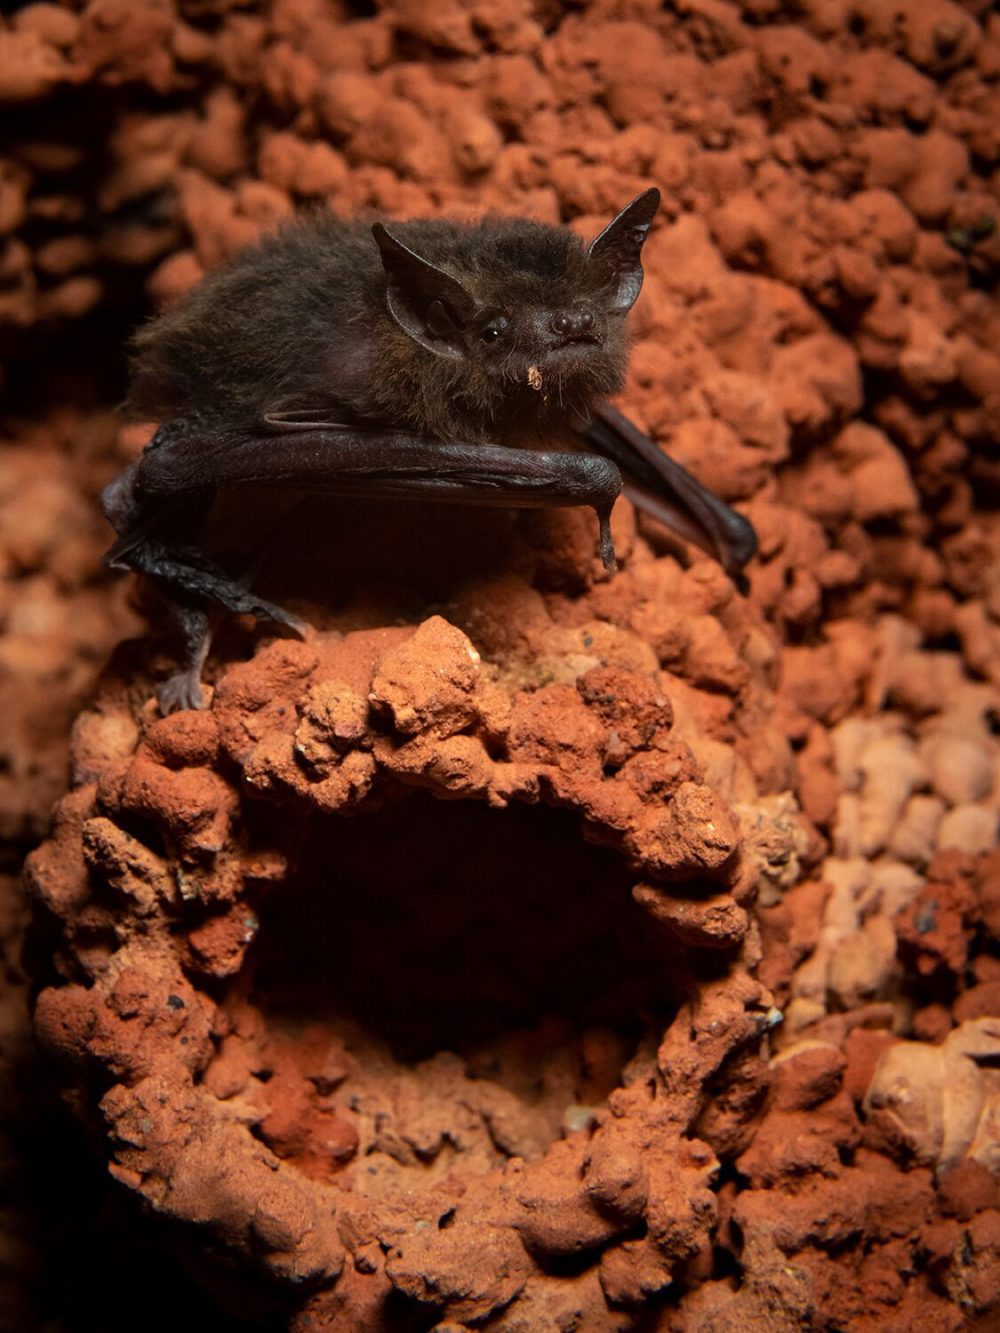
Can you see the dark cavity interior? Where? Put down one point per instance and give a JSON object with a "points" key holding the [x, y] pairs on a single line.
{"points": [[446, 925]]}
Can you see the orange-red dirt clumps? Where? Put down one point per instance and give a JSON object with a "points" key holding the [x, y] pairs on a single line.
{"points": [[526, 949]]}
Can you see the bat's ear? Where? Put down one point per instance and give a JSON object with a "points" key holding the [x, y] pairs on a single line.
{"points": [[616, 252], [428, 304]]}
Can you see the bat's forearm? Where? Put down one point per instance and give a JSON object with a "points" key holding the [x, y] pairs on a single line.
{"points": [[341, 461]]}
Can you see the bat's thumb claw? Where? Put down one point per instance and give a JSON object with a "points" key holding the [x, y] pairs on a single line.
{"points": [[300, 628], [277, 615], [607, 544]]}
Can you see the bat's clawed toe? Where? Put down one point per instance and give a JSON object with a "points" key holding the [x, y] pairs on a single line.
{"points": [[181, 691], [184, 689]]}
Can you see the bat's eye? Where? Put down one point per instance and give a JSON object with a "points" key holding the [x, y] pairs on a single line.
{"points": [[493, 331]]}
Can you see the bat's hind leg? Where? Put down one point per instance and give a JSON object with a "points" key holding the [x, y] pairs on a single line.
{"points": [[188, 578], [184, 689], [195, 590], [158, 537]]}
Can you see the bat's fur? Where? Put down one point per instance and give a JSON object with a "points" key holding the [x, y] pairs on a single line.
{"points": [[300, 323]]}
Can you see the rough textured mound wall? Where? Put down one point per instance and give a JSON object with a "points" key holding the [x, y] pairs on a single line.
{"points": [[817, 339]]}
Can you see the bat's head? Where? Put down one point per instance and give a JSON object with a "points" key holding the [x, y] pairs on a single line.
{"points": [[522, 323]]}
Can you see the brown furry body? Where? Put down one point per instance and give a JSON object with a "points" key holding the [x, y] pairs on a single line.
{"points": [[339, 359], [300, 324]]}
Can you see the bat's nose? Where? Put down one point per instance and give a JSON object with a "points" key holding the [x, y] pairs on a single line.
{"points": [[572, 323]]}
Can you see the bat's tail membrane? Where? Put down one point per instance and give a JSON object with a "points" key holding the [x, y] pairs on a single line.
{"points": [[666, 491]]}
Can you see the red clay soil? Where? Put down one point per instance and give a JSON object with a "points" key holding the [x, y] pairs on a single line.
{"points": [[527, 950]]}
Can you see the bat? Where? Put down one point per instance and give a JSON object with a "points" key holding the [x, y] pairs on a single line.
{"points": [[464, 362]]}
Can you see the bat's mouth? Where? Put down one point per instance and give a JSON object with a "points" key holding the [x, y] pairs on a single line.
{"points": [[576, 340]]}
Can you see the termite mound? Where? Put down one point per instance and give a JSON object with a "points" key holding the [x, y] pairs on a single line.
{"points": [[408, 971]]}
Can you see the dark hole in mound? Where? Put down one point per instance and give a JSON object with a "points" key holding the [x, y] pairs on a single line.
{"points": [[444, 925]]}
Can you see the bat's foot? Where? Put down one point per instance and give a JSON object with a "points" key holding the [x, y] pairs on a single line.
{"points": [[181, 691], [184, 689]]}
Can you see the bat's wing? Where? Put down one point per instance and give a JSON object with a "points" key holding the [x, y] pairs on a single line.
{"points": [[186, 461], [186, 454], [661, 487], [180, 466], [191, 456]]}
